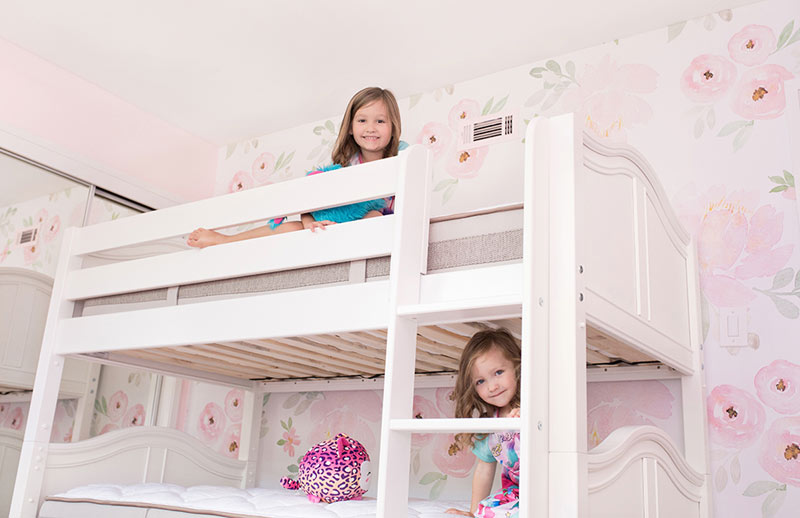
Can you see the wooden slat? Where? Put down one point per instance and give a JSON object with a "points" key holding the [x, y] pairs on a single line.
{"points": [[195, 358], [326, 357], [443, 336], [614, 348], [269, 359], [325, 351], [167, 358], [593, 357], [514, 325]]}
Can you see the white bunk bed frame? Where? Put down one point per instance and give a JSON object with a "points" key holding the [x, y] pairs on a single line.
{"points": [[626, 276]]}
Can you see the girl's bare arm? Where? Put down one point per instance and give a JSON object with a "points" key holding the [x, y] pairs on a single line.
{"points": [[482, 480]]}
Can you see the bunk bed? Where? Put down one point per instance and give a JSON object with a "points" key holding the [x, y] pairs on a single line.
{"points": [[596, 273]]}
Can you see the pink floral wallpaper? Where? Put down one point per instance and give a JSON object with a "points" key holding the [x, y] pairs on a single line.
{"points": [[122, 399], [14, 416]]}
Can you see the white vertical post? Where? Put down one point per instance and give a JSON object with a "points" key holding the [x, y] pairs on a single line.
{"points": [[567, 339], [85, 407], [693, 388], [33, 456], [409, 256], [534, 445], [251, 434]]}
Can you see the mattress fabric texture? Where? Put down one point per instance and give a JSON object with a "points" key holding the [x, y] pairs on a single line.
{"points": [[234, 502]]}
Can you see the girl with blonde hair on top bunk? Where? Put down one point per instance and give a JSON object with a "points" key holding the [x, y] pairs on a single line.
{"points": [[370, 130], [488, 385]]}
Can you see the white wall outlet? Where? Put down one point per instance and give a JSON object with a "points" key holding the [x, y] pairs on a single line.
{"points": [[733, 327]]}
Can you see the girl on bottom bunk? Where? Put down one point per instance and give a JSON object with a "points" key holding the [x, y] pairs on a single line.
{"points": [[488, 384], [370, 131]]}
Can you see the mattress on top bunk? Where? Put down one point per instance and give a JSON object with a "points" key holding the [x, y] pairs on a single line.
{"points": [[173, 501], [460, 242]]}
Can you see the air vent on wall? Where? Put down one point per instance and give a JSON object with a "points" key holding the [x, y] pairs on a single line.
{"points": [[28, 236], [483, 131]]}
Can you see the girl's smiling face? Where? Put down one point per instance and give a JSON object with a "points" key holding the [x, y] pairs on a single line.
{"points": [[495, 379], [372, 130]]}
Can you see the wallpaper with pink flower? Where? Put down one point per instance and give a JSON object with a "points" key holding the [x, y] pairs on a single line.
{"points": [[14, 415], [123, 397]]}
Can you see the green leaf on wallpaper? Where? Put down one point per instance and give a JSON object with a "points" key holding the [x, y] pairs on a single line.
{"points": [[711, 118], [536, 98], [449, 89], [742, 137], [437, 488], [789, 177], [726, 15], [413, 100], [444, 183], [760, 487], [537, 72], [570, 67], [794, 38], [315, 152], [500, 104], [289, 159], [231, 149], [782, 278], [449, 192], [773, 503], [721, 479], [488, 106], [699, 126], [785, 33], [98, 407], [302, 407], [430, 477], [736, 470], [675, 30], [786, 308], [318, 130], [732, 127], [330, 127], [779, 188], [548, 85], [778, 179], [292, 400], [553, 66], [265, 400], [797, 280], [415, 462], [255, 143], [281, 442], [293, 468]]}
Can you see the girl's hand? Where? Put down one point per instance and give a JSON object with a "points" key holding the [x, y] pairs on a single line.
{"points": [[514, 413], [314, 225], [201, 238], [459, 511]]}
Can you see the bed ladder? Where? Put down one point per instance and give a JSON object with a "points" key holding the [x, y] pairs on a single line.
{"points": [[553, 478]]}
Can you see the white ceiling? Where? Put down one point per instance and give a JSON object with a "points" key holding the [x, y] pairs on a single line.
{"points": [[20, 181], [228, 70]]}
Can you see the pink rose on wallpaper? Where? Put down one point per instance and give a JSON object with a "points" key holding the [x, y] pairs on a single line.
{"points": [[234, 405], [356, 414], [212, 422], [466, 163], [778, 386], [707, 78], [240, 182], [110, 427], [31, 253], [445, 401], [735, 418], [612, 405], [232, 441], [436, 137], [423, 409], [760, 94], [463, 110], [15, 419], [450, 462], [52, 229], [263, 167], [291, 439], [780, 450], [41, 217], [607, 98], [134, 417], [763, 259], [752, 45], [117, 405]]}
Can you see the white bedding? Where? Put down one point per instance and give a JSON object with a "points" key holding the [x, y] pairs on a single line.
{"points": [[228, 501]]}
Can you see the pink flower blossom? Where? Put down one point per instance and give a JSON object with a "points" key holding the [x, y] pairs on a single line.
{"points": [[789, 194], [760, 94], [607, 97], [466, 163], [735, 417], [240, 182], [31, 253], [452, 463], [464, 110], [234, 405], [117, 405], [778, 386], [41, 216], [52, 229], [232, 441], [134, 417], [613, 404], [423, 409], [436, 137], [752, 45], [263, 167], [445, 401], [707, 78], [780, 450], [110, 427], [15, 419], [355, 414], [290, 440], [212, 422]]}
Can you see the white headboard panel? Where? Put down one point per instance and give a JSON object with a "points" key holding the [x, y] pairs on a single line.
{"points": [[10, 445]]}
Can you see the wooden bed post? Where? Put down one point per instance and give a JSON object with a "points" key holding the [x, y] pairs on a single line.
{"points": [[33, 456], [408, 264]]}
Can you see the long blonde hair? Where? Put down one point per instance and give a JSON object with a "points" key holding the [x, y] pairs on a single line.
{"points": [[345, 147], [468, 402]]}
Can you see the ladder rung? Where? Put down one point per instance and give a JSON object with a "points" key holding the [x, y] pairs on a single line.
{"points": [[499, 424], [463, 310]]}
